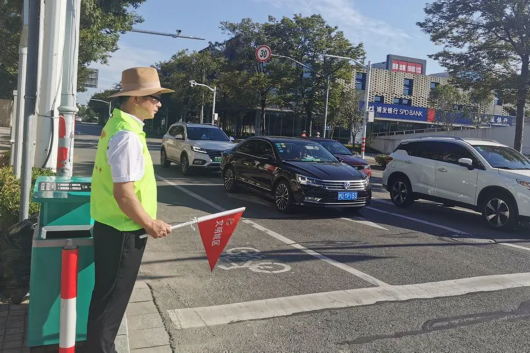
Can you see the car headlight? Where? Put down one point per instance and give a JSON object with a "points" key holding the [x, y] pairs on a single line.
{"points": [[198, 149], [303, 180], [524, 183]]}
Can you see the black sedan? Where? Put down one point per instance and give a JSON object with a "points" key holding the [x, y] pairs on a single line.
{"points": [[344, 155], [294, 172]]}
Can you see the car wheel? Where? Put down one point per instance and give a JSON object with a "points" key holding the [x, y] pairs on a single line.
{"points": [[283, 197], [184, 165], [401, 192], [164, 162], [499, 211], [229, 180]]}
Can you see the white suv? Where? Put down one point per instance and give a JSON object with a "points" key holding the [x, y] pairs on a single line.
{"points": [[482, 175], [196, 146]]}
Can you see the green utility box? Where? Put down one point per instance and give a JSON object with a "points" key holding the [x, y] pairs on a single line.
{"points": [[64, 214]]}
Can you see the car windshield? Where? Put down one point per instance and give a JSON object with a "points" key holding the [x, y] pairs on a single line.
{"points": [[206, 133], [303, 152], [503, 157], [335, 147]]}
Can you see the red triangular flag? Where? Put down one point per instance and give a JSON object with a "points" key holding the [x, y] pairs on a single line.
{"points": [[216, 230]]}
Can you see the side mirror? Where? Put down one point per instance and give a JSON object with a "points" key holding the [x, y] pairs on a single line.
{"points": [[340, 159], [231, 139], [466, 162]]}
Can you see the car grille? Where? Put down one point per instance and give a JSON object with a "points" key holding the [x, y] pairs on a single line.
{"points": [[345, 185], [213, 153]]}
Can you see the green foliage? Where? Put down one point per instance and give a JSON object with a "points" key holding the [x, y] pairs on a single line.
{"points": [[10, 195], [4, 158], [349, 114], [443, 98], [102, 21], [486, 46], [381, 159]]}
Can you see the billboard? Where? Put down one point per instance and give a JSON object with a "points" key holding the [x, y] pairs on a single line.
{"points": [[428, 115], [406, 66]]}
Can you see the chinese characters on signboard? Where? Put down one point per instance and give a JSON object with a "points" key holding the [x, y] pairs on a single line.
{"points": [[404, 66]]}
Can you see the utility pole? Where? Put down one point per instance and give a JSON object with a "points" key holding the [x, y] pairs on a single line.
{"points": [[68, 108], [50, 88], [214, 90], [29, 106], [18, 124], [326, 112], [366, 97]]}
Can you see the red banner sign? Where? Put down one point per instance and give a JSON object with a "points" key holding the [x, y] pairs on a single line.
{"points": [[216, 230]]}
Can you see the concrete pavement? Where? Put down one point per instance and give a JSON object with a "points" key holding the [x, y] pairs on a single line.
{"points": [[424, 279]]}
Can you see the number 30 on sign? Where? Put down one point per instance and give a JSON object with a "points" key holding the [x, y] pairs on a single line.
{"points": [[263, 53]]}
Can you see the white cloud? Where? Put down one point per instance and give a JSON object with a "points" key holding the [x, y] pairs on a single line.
{"points": [[356, 27], [124, 58]]}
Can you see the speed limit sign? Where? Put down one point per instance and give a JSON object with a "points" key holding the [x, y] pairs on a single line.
{"points": [[263, 53]]}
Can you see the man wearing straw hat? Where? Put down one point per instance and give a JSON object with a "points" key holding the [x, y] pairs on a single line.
{"points": [[123, 204]]}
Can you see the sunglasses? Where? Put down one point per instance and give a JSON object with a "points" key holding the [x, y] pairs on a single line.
{"points": [[156, 98]]}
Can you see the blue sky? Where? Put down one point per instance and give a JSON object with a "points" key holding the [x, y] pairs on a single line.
{"points": [[384, 26]]}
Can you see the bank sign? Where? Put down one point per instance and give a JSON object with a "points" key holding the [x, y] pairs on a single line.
{"points": [[428, 115]]}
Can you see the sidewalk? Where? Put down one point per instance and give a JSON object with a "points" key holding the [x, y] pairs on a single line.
{"points": [[13, 332], [142, 329]]}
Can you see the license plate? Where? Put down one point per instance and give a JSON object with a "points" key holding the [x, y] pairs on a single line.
{"points": [[347, 196], [217, 159]]}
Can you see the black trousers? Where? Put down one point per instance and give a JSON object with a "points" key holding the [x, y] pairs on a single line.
{"points": [[117, 258]]}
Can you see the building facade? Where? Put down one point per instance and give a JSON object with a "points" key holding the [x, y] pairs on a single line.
{"points": [[399, 93]]}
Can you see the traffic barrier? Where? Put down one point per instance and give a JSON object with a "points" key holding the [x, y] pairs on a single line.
{"points": [[67, 331]]}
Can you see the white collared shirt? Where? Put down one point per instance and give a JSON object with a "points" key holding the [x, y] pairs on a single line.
{"points": [[125, 155]]}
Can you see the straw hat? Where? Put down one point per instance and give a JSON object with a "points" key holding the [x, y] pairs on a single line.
{"points": [[140, 81]]}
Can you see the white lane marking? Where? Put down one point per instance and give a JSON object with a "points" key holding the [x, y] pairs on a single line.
{"points": [[286, 306], [459, 232], [418, 220], [283, 239], [319, 256], [514, 246], [361, 220]]}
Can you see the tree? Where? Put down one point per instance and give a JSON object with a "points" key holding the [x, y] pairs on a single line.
{"points": [[101, 23], [479, 101], [443, 98], [486, 45], [349, 114], [203, 67], [306, 39], [261, 81]]}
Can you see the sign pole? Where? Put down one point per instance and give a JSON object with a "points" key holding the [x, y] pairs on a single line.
{"points": [[366, 104]]}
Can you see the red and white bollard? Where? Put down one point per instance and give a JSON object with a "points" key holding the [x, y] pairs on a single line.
{"points": [[67, 332]]}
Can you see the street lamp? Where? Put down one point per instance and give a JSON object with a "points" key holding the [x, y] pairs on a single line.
{"points": [[214, 90], [102, 101], [366, 96], [327, 87]]}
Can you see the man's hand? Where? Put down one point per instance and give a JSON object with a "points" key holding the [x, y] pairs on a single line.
{"points": [[158, 229], [129, 204]]}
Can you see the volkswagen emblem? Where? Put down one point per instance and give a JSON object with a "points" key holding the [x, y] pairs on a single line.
{"points": [[346, 185]]}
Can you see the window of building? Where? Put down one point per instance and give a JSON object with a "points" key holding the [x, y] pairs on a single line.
{"points": [[360, 81], [434, 85], [407, 88], [402, 101], [379, 99]]}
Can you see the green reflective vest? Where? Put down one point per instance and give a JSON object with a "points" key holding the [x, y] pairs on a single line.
{"points": [[103, 206]]}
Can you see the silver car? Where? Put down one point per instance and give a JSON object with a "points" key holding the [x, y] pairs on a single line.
{"points": [[194, 146]]}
